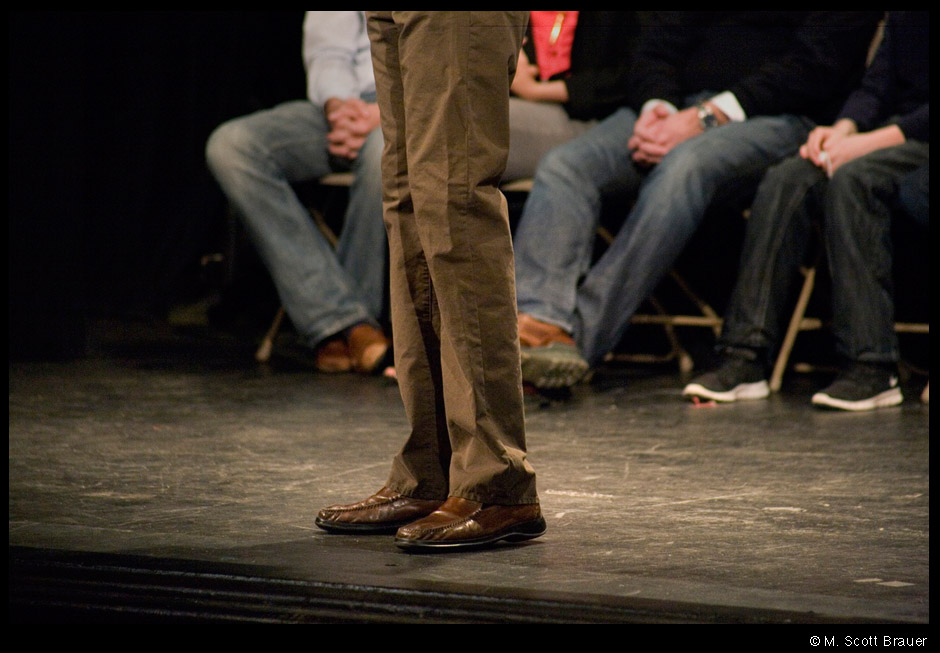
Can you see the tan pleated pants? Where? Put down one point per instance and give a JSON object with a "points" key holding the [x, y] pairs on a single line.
{"points": [[443, 80]]}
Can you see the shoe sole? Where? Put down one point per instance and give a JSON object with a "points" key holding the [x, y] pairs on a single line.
{"points": [[892, 397], [554, 366], [334, 367], [362, 529], [517, 533], [743, 392]]}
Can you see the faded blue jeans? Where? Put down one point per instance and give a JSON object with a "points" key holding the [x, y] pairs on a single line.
{"points": [[255, 159], [855, 210], [554, 240]]}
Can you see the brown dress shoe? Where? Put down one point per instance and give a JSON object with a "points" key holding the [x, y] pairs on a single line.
{"points": [[367, 348], [384, 512], [462, 524], [534, 333], [333, 356]]}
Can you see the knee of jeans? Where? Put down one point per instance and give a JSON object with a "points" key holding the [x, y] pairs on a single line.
{"points": [[794, 173], [228, 143], [853, 171], [560, 165], [848, 178], [684, 165], [370, 156]]}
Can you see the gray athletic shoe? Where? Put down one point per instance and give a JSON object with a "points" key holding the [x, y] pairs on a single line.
{"points": [[557, 365]]}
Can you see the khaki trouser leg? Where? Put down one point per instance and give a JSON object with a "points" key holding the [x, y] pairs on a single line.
{"points": [[442, 81]]}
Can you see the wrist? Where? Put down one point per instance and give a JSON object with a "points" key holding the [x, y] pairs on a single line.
{"points": [[708, 117], [889, 136], [846, 127], [331, 105]]}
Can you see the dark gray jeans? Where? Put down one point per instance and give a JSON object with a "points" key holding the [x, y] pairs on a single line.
{"points": [[854, 210]]}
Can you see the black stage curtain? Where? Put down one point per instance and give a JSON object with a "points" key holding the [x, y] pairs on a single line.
{"points": [[111, 204]]}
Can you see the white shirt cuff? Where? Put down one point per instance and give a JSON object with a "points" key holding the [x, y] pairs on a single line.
{"points": [[730, 106]]}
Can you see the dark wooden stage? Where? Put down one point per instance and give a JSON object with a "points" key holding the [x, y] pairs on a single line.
{"points": [[168, 478]]}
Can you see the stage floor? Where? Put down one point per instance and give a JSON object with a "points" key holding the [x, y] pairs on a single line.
{"points": [[170, 478]]}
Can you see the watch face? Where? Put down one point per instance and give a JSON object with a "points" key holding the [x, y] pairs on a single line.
{"points": [[706, 118]]}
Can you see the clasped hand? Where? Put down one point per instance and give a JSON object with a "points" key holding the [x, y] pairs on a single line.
{"points": [[350, 121], [658, 130]]}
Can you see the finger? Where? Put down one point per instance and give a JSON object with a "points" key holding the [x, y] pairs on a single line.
{"points": [[653, 149], [826, 162]]}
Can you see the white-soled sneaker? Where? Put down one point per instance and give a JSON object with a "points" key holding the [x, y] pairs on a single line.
{"points": [[735, 379], [861, 387]]}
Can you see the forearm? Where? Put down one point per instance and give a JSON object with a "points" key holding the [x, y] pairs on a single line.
{"points": [[529, 88]]}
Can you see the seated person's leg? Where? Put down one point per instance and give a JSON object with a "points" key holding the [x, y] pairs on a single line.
{"points": [[672, 202], [857, 235], [554, 243], [777, 240], [256, 159], [535, 128]]}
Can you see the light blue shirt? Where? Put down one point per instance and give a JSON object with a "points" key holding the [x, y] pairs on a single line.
{"points": [[337, 56]]}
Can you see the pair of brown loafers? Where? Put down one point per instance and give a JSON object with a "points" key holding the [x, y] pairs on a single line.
{"points": [[421, 524]]}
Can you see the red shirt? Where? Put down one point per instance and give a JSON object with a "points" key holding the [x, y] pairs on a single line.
{"points": [[552, 36]]}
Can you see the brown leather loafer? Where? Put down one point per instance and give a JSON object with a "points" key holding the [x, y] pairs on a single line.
{"points": [[367, 348], [462, 524], [333, 356], [384, 512]]}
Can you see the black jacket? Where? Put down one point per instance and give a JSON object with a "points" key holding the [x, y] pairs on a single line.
{"points": [[896, 86], [775, 62]]}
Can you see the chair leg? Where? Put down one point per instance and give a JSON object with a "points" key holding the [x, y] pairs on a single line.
{"points": [[793, 329], [263, 354], [678, 351], [711, 317]]}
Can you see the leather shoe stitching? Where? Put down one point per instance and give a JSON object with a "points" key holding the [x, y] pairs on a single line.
{"points": [[452, 525], [445, 527], [380, 504]]}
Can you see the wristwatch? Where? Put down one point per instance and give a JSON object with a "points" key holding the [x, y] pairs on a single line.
{"points": [[706, 117]]}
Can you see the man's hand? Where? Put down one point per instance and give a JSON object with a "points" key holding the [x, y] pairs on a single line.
{"points": [[351, 121], [657, 131]]}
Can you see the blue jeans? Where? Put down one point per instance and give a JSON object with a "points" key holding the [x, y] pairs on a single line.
{"points": [[855, 209], [255, 159], [555, 236]]}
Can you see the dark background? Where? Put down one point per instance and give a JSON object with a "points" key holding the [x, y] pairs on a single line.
{"points": [[111, 204]]}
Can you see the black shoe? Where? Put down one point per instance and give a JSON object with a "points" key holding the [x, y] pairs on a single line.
{"points": [[862, 386], [736, 378]]}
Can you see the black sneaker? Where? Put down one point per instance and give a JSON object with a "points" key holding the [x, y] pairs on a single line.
{"points": [[862, 387], [736, 378]]}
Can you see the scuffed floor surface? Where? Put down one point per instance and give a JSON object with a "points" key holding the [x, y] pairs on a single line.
{"points": [[172, 456]]}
